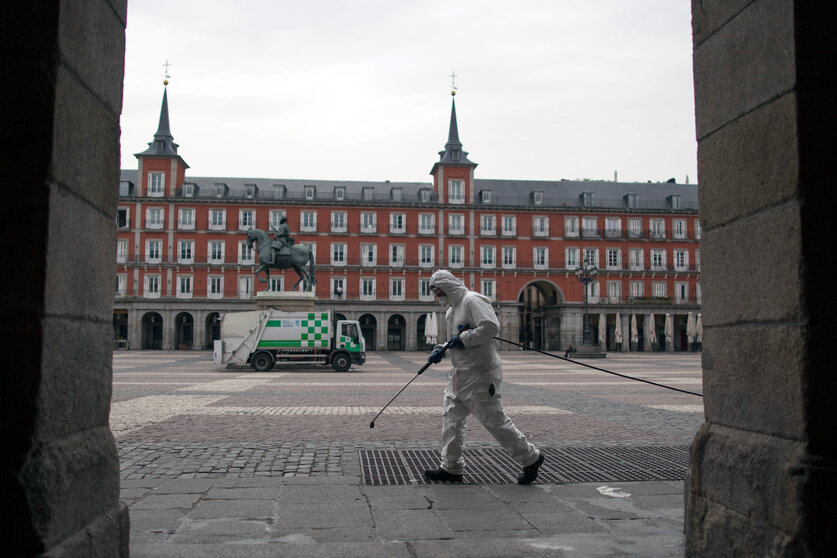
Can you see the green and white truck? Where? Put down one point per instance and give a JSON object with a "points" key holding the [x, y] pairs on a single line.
{"points": [[261, 338]]}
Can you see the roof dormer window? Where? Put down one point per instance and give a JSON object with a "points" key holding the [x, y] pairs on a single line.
{"points": [[188, 190], [674, 201], [220, 190], [587, 199], [250, 190], [485, 196], [454, 154], [339, 193], [537, 198], [632, 200]]}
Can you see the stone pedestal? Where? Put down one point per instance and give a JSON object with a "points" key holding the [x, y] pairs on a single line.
{"points": [[287, 301], [588, 351]]}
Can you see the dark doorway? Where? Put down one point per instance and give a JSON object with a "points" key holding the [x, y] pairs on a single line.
{"points": [[120, 328], [368, 327], [152, 331], [213, 329], [395, 333]]}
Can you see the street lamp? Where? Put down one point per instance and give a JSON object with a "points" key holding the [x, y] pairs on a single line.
{"points": [[587, 274]]}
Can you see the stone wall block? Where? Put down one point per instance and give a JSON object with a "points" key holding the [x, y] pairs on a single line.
{"points": [[81, 261], [710, 15], [90, 168], [744, 64], [88, 32], [761, 278], [75, 386], [105, 537], [71, 481], [746, 383], [739, 173]]}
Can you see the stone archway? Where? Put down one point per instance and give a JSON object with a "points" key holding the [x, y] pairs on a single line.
{"points": [[184, 331], [396, 333], [369, 330], [212, 329], [152, 331], [540, 315]]}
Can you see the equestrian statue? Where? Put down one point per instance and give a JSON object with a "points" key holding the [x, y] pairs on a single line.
{"points": [[282, 253]]}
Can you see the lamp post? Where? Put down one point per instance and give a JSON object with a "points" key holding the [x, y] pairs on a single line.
{"points": [[587, 273]]}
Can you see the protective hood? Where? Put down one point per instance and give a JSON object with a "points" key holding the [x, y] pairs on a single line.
{"points": [[454, 288]]}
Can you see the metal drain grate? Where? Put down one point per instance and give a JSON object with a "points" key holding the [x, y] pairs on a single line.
{"points": [[561, 465]]}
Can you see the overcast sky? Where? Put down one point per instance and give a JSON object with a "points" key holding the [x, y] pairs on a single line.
{"points": [[360, 89]]}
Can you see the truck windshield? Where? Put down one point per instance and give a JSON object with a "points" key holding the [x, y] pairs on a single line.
{"points": [[350, 330]]}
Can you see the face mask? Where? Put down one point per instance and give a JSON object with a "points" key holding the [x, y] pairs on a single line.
{"points": [[444, 301]]}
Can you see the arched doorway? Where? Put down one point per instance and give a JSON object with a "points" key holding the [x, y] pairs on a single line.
{"points": [[212, 329], [421, 334], [184, 330], [338, 316], [395, 333], [120, 328], [152, 331], [368, 328], [540, 320]]}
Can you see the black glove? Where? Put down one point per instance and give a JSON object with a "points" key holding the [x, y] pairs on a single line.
{"points": [[437, 354], [456, 343]]}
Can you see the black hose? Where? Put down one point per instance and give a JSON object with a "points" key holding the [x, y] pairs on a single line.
{"points": [[525, 348]]}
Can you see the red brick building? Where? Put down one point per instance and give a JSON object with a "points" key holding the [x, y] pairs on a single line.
{"points": [[183, 260]]}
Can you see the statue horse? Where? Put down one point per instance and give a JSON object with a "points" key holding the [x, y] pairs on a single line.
{"points": [[297, 258]]}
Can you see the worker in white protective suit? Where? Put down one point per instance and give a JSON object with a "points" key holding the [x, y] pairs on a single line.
{"points": [[474, 382]]}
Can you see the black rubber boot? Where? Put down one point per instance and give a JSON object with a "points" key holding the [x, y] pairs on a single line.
{"points": [[441, 475], [530, 472]]}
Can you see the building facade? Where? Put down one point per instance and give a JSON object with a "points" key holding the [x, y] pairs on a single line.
{"points": [[183, 260]]}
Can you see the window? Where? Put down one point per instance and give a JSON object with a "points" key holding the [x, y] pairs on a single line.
{"points": [[368, 222], [338, 288], [681, 260], [455, 255], [488, 224], [658, 228], [367, 288], [152, 286], [614, 291], [571, 227], [273, 219], [369, 254], [589, 227], [425, 255], [396, 255], [697, 229], [338, 254], [488, 288], [276, 284], [184, 286], [186, 251], [571, 257], [121, 250], [153, 251], [637, 289], [593, 291], [217, 219], [123, 219], [456, 223], [674, 200], [278, 191], [613, 227], [427, 223], [215, 287], [634, 228], [397, 194], [636, 259], [456, 191], [509, 225], [540, 226], [485, 196], [154, 218], [186, 218], [678, 228], [220, 190], [121, 284], [215, 251], [396, 289], [309, 221], [614, 258], [368, 193], [658, 260], [245, 287], [540, 257], [587, 199], [487, 256], [396, 223], [246, 219], [658, 289], [591, 256], [125, 188], [632, 200], [681, 293], [245, 253], [155, 184], [424, 290], [339, 193], [424, 194], [250, 190], [310, 192], [509, 254], [338, 221], [537, 198]]}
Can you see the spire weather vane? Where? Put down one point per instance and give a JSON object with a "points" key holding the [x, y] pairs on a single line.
{"points": [[167, 76], [453, 82]]}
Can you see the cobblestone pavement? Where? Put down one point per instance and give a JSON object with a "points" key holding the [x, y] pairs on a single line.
{"points": [[180, 415]]}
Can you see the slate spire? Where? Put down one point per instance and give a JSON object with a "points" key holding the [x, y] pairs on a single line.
{"points": [[163, 144], [453, 154]]}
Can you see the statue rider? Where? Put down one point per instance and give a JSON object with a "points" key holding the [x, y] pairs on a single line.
{"points": [[281, 238]]}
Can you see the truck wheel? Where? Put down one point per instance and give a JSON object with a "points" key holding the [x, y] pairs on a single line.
{"points": [[341, 362], [262, 361]]}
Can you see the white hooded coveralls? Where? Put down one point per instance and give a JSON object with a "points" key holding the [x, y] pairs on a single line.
{"points": [[475, 369]]}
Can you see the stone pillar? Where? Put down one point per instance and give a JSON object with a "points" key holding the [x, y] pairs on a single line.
{"points": [[411, 331], [762, 474], [626, 332], [647, 346], [134, 329], [59, 152]]}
